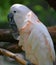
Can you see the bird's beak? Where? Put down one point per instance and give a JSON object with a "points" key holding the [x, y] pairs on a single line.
{"points": [[10, 18], [12, 23]]}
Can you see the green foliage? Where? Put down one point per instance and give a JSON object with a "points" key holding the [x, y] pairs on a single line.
{"points": [[4, 5], [38, 8]]}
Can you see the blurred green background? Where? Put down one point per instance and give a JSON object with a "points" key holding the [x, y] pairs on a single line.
{"points": [[41, 8]]}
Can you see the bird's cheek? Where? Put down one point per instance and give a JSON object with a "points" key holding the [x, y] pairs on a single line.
{"points": [[16, 18]]}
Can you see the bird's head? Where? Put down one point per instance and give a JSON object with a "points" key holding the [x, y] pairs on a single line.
{"points": [[17, 15]]}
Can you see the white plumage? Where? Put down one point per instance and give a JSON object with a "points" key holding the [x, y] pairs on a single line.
{"points": [[34, 36]]}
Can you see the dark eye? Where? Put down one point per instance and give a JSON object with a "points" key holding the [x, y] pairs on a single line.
{"points": [[14, 11]]}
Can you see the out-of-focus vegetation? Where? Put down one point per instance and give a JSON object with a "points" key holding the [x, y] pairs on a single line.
{"points": [[41, 8]]}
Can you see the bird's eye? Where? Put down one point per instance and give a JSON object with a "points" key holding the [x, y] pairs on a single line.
{"points": [[14, 11]]}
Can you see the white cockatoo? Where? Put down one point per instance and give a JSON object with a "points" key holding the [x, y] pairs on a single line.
{"points": [[34, 36]]}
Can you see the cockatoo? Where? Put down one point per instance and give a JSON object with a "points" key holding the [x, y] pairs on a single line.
{"points": [[34, 36]]}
